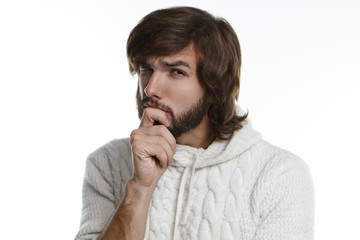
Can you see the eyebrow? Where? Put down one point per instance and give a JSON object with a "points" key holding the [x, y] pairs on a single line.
{"points": [[175, 64]]}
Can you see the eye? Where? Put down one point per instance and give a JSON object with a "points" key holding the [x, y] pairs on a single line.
{"points": [[178, 72], [145, 74], [145, 70]]}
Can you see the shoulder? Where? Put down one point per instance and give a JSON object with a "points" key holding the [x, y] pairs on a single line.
{"points": [[283, 192], [113, 156], [271, 158], [117, 148], [281, 174]]}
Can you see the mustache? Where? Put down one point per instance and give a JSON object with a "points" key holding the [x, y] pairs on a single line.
{"points": [[154, 102]]}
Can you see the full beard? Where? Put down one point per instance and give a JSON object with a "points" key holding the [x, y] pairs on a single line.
{"points": [[185, 121]]}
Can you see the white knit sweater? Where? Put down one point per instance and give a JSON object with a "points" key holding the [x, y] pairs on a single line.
{"points": [[244, 188]]}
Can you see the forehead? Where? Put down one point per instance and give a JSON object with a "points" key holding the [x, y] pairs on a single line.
{"points": [[187, 57]]}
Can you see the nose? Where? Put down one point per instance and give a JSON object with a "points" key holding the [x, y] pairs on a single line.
{"points": [[153, 87]]}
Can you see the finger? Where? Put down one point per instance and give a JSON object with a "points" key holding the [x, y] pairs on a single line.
{"points": [[145, 151], [168, 145], [152, 115], [160, 131]]}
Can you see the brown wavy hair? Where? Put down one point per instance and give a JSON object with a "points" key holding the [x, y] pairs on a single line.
{"points": [[167, 31]]}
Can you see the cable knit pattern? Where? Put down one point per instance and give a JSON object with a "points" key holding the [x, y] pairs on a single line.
{"points": [[244, 188]]}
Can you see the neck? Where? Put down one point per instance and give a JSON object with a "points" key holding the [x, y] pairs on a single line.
{"points": [[199, 137]]}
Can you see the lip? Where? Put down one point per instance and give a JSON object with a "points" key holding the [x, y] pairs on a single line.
{"points": [[146, 105]]}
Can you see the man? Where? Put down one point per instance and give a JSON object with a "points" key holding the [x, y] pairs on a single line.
{"points": [[195, 168]]}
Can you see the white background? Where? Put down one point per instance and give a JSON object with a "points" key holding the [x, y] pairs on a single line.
{"points": [[65, 90]]}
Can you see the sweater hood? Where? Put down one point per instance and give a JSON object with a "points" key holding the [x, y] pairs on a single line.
{"points": [[219, 151]]}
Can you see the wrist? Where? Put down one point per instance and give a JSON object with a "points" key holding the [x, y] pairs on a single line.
{"points": [[138, 192]]}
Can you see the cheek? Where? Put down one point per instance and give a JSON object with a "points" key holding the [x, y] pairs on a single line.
{"points": [[186, 97]]}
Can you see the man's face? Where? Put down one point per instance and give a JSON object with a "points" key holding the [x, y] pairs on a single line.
{"points": [[171, 84]]}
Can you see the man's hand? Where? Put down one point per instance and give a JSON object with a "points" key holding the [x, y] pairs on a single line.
{"points": [[153, 148]]}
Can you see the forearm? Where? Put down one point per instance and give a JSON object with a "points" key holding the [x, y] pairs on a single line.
{"points": [[129, 219], [153, 148]]}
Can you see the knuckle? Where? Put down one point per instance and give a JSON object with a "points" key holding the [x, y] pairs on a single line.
{"points": [[133, 133], [162, 154], [162, 157], [161, 140], [157, 149], [135, 146], [163, 130]]}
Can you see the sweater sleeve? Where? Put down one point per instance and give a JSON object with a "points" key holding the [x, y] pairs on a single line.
{"points": [[98, 197], [107, 170], [286, 212]]}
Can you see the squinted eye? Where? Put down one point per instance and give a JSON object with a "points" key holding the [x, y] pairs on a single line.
{"points": [[177, 72], [145, 70]]}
